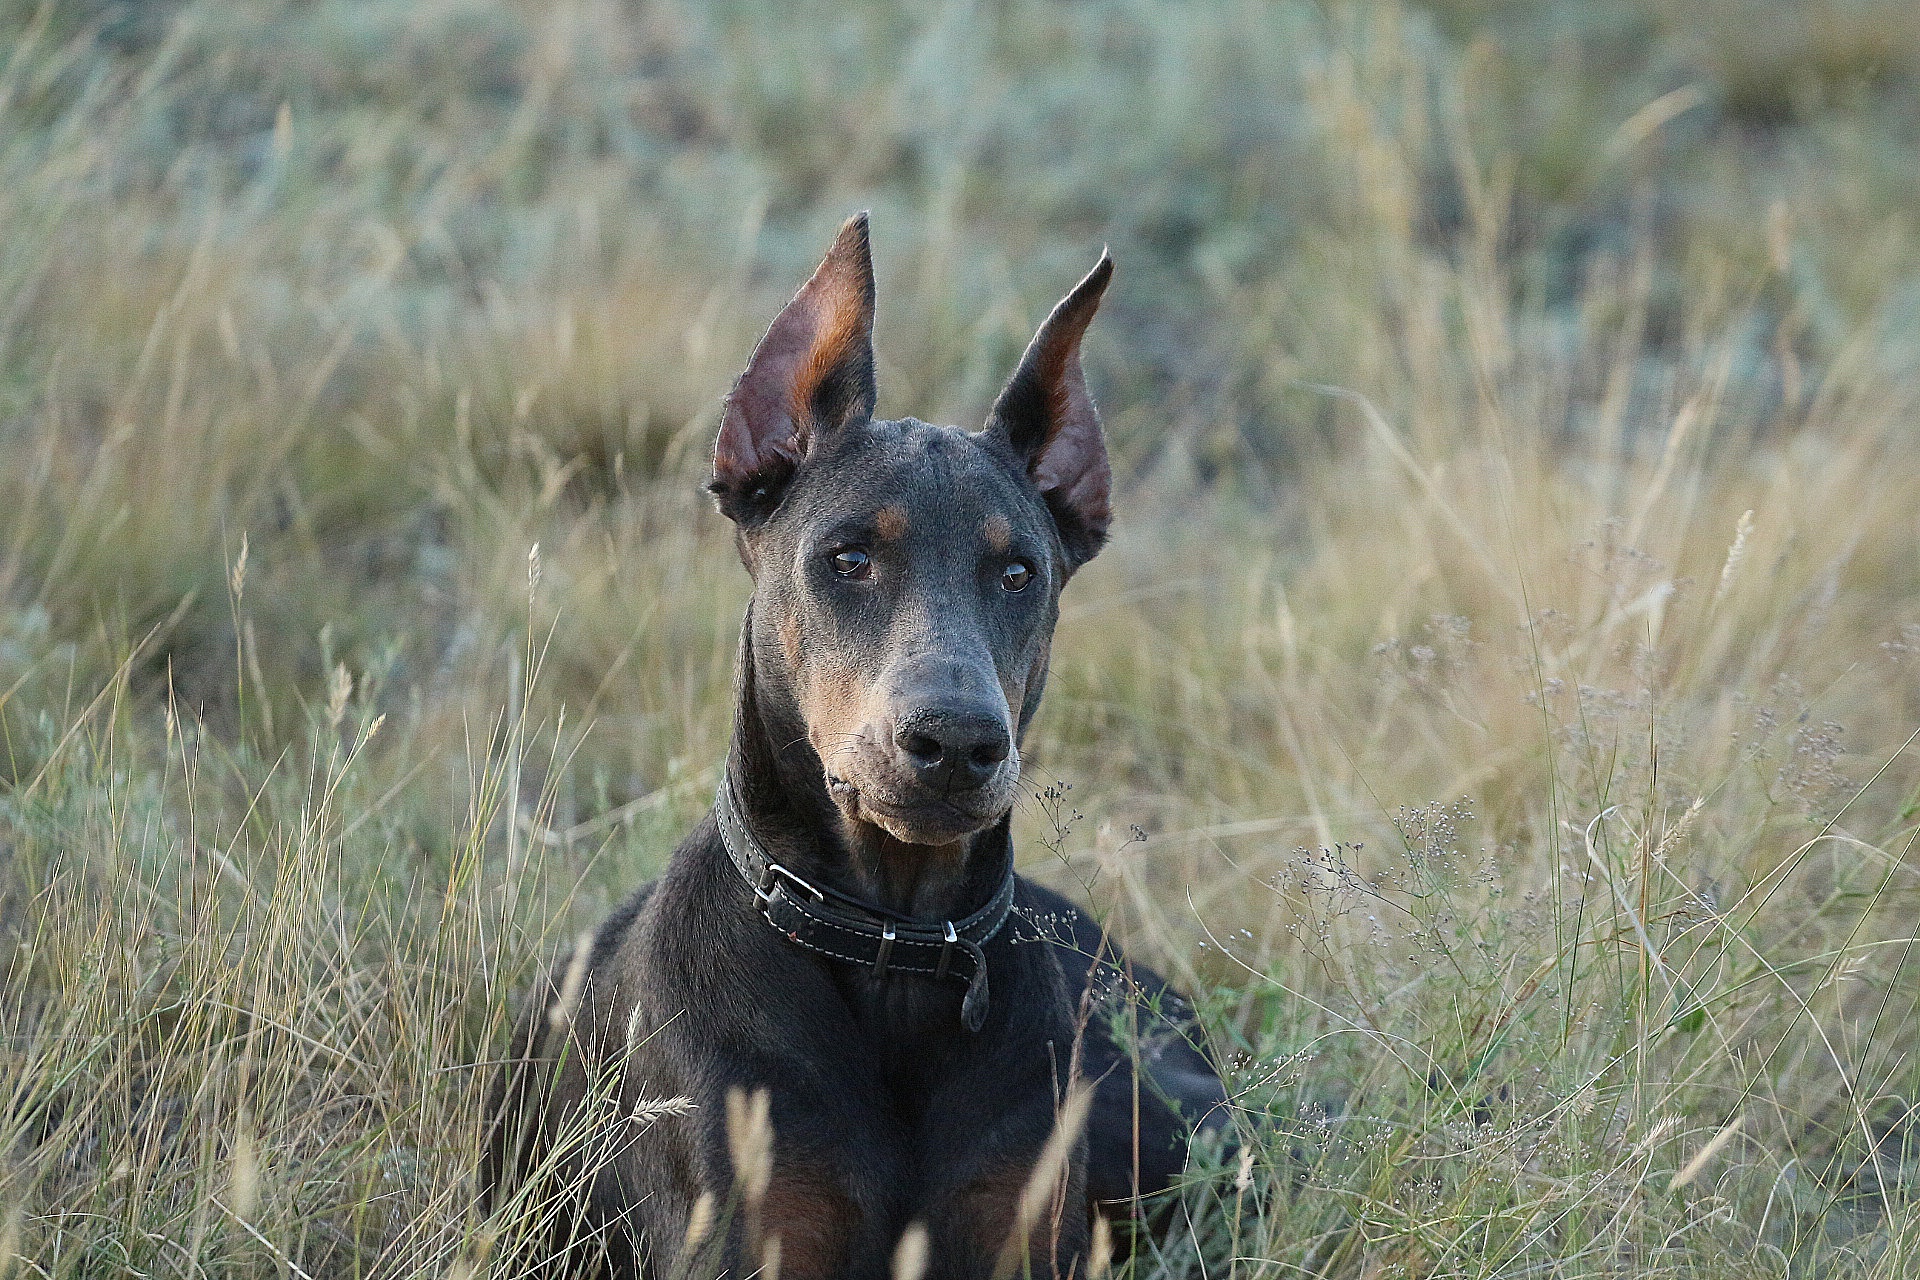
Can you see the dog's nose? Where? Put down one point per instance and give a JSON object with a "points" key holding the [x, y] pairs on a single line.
{"points": [[953, 750]]}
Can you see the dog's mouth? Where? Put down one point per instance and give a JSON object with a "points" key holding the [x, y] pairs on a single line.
{"points": [[917, 815]]}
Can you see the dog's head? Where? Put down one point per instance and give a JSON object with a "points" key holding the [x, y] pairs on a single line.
{"points": [[907, 576]]}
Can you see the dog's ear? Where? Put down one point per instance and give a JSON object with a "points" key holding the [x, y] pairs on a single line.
{"points": [[1047, 416], [811, 375]]}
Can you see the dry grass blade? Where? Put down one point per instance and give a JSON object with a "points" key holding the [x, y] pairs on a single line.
{"points": [[9, 1241], [1042, 1205], [1701, 1158], [750, 1144]]}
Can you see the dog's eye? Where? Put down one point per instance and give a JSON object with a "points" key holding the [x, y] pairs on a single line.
{"points": [[1016, 576], [851, 562]]}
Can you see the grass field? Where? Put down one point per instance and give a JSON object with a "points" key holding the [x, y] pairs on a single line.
{"points": [[1498, 705]]}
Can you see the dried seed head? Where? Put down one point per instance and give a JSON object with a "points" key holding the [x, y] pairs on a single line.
{"points": [[1047, 1181], [910, 1255], [635, 1020], [560, 1015], [244, 1178], [339, 689], [1735, 554], [237, 575], [1706, 1153], [1100, 1249], [700, 1220], [1677, 832], [1658, 1131], [750, 1142], [648, 1110]]}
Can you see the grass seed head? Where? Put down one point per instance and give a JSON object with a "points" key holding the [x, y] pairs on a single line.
{"points": [[910, 1255]]}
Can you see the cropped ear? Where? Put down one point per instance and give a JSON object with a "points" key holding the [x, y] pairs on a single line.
{"points": [[1047, 416], [811, 375]]}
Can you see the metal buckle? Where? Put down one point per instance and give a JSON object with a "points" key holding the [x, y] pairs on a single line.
{"points": [[767, 886], [946, 951], [886, 949]]}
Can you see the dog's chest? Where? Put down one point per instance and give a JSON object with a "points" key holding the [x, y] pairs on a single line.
{"points": [[909, 1029]]}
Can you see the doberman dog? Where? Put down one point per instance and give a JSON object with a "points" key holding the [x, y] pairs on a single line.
{"points": [[845, 930]]}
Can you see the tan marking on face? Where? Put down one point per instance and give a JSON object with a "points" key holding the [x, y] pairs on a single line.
{"points": [[890, 522], [789, 628], [1015, 688], [834, 706], [998, 532]]}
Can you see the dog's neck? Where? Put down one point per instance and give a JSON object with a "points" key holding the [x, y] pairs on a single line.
{"points": [[782, 791]]}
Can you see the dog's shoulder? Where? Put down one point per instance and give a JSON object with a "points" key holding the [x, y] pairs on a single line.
{"points": [[673, 901], [613, 931], [689, 939]]}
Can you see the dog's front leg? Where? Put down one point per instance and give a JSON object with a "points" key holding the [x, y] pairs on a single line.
{"points": [[1016, 1205], [808, 1216], [807, 1172]]}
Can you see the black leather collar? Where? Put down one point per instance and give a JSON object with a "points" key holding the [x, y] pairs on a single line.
{"points": [[843, 928]]}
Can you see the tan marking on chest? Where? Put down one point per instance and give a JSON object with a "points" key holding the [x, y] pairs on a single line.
{"points": [[987, 1209], [815, 1222]]}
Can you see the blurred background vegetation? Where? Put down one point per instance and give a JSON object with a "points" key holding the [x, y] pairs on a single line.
{"points": [[1512, 402]]}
